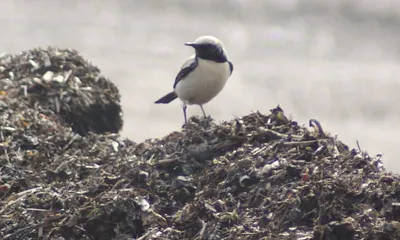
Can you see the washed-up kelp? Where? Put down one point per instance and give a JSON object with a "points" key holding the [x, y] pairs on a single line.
{"points": [[260, 176], [63, 82]]}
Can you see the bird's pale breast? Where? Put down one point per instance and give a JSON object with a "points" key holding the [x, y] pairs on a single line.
{"points": [[204, 83]]}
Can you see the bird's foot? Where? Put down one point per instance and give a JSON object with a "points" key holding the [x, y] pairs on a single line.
{"points": [[207, 121], [197, 123], [185, 125]]}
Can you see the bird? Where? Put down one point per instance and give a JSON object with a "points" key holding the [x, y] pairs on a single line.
{"points": [[202, 76]]}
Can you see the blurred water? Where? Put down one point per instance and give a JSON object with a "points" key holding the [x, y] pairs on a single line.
{"points": [[333, 60]]}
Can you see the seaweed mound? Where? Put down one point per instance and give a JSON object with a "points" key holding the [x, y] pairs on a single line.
{"points": [[261, 176], [63, 82]]}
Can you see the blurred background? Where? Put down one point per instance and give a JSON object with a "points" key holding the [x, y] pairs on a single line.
{"points": [[333, 60]]}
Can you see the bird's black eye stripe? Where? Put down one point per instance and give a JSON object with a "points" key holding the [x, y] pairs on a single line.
{"points": [[210, 52]]}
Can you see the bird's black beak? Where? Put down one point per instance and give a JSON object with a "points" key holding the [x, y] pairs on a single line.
{"points": [[192, 44]]}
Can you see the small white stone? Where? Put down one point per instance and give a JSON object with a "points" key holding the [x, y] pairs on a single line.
{"points": [[47, 62], [48, 76], [115, 146], [67, 74], [77, 81], [59, 78], [144, 205], [276, 164], [34, 64], [37, 80], [267, 169], [242, 179]]}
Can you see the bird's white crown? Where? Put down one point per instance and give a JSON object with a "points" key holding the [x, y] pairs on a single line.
{"points": [[209, 40]]}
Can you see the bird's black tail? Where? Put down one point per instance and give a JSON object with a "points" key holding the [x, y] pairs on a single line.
{"points": [[167, 98]]}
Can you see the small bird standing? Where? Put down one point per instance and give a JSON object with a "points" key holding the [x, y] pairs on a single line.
{"points": [[202, 76]]}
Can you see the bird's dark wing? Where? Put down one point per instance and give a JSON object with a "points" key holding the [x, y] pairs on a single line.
{"points": [[231, 67], [187, 68]]}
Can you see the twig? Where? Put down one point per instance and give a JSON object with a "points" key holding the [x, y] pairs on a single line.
{"points": [[84, 206], [27, 228], [63, 164], [22, 230], [303, 143], [203, 228], [167, 161], [76, 136], [274, 135], [37, 210], [317, 126], [21, 195], [335, 148], [67, 75], [117, 184], [144, 236], [7, 157], [358, 145]]}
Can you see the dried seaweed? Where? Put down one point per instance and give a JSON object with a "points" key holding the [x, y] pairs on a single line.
{"points": [[63, 82], [66, 174]]}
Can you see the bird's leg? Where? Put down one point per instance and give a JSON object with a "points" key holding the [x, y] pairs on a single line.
{"points": [[202, 109], [184, 114], [205, 116]]}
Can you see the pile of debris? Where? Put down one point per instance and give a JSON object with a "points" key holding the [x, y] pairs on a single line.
{"points": [[66, 174]]}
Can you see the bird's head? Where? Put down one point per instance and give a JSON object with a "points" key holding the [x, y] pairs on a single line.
{"points": [[209, 48]]}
